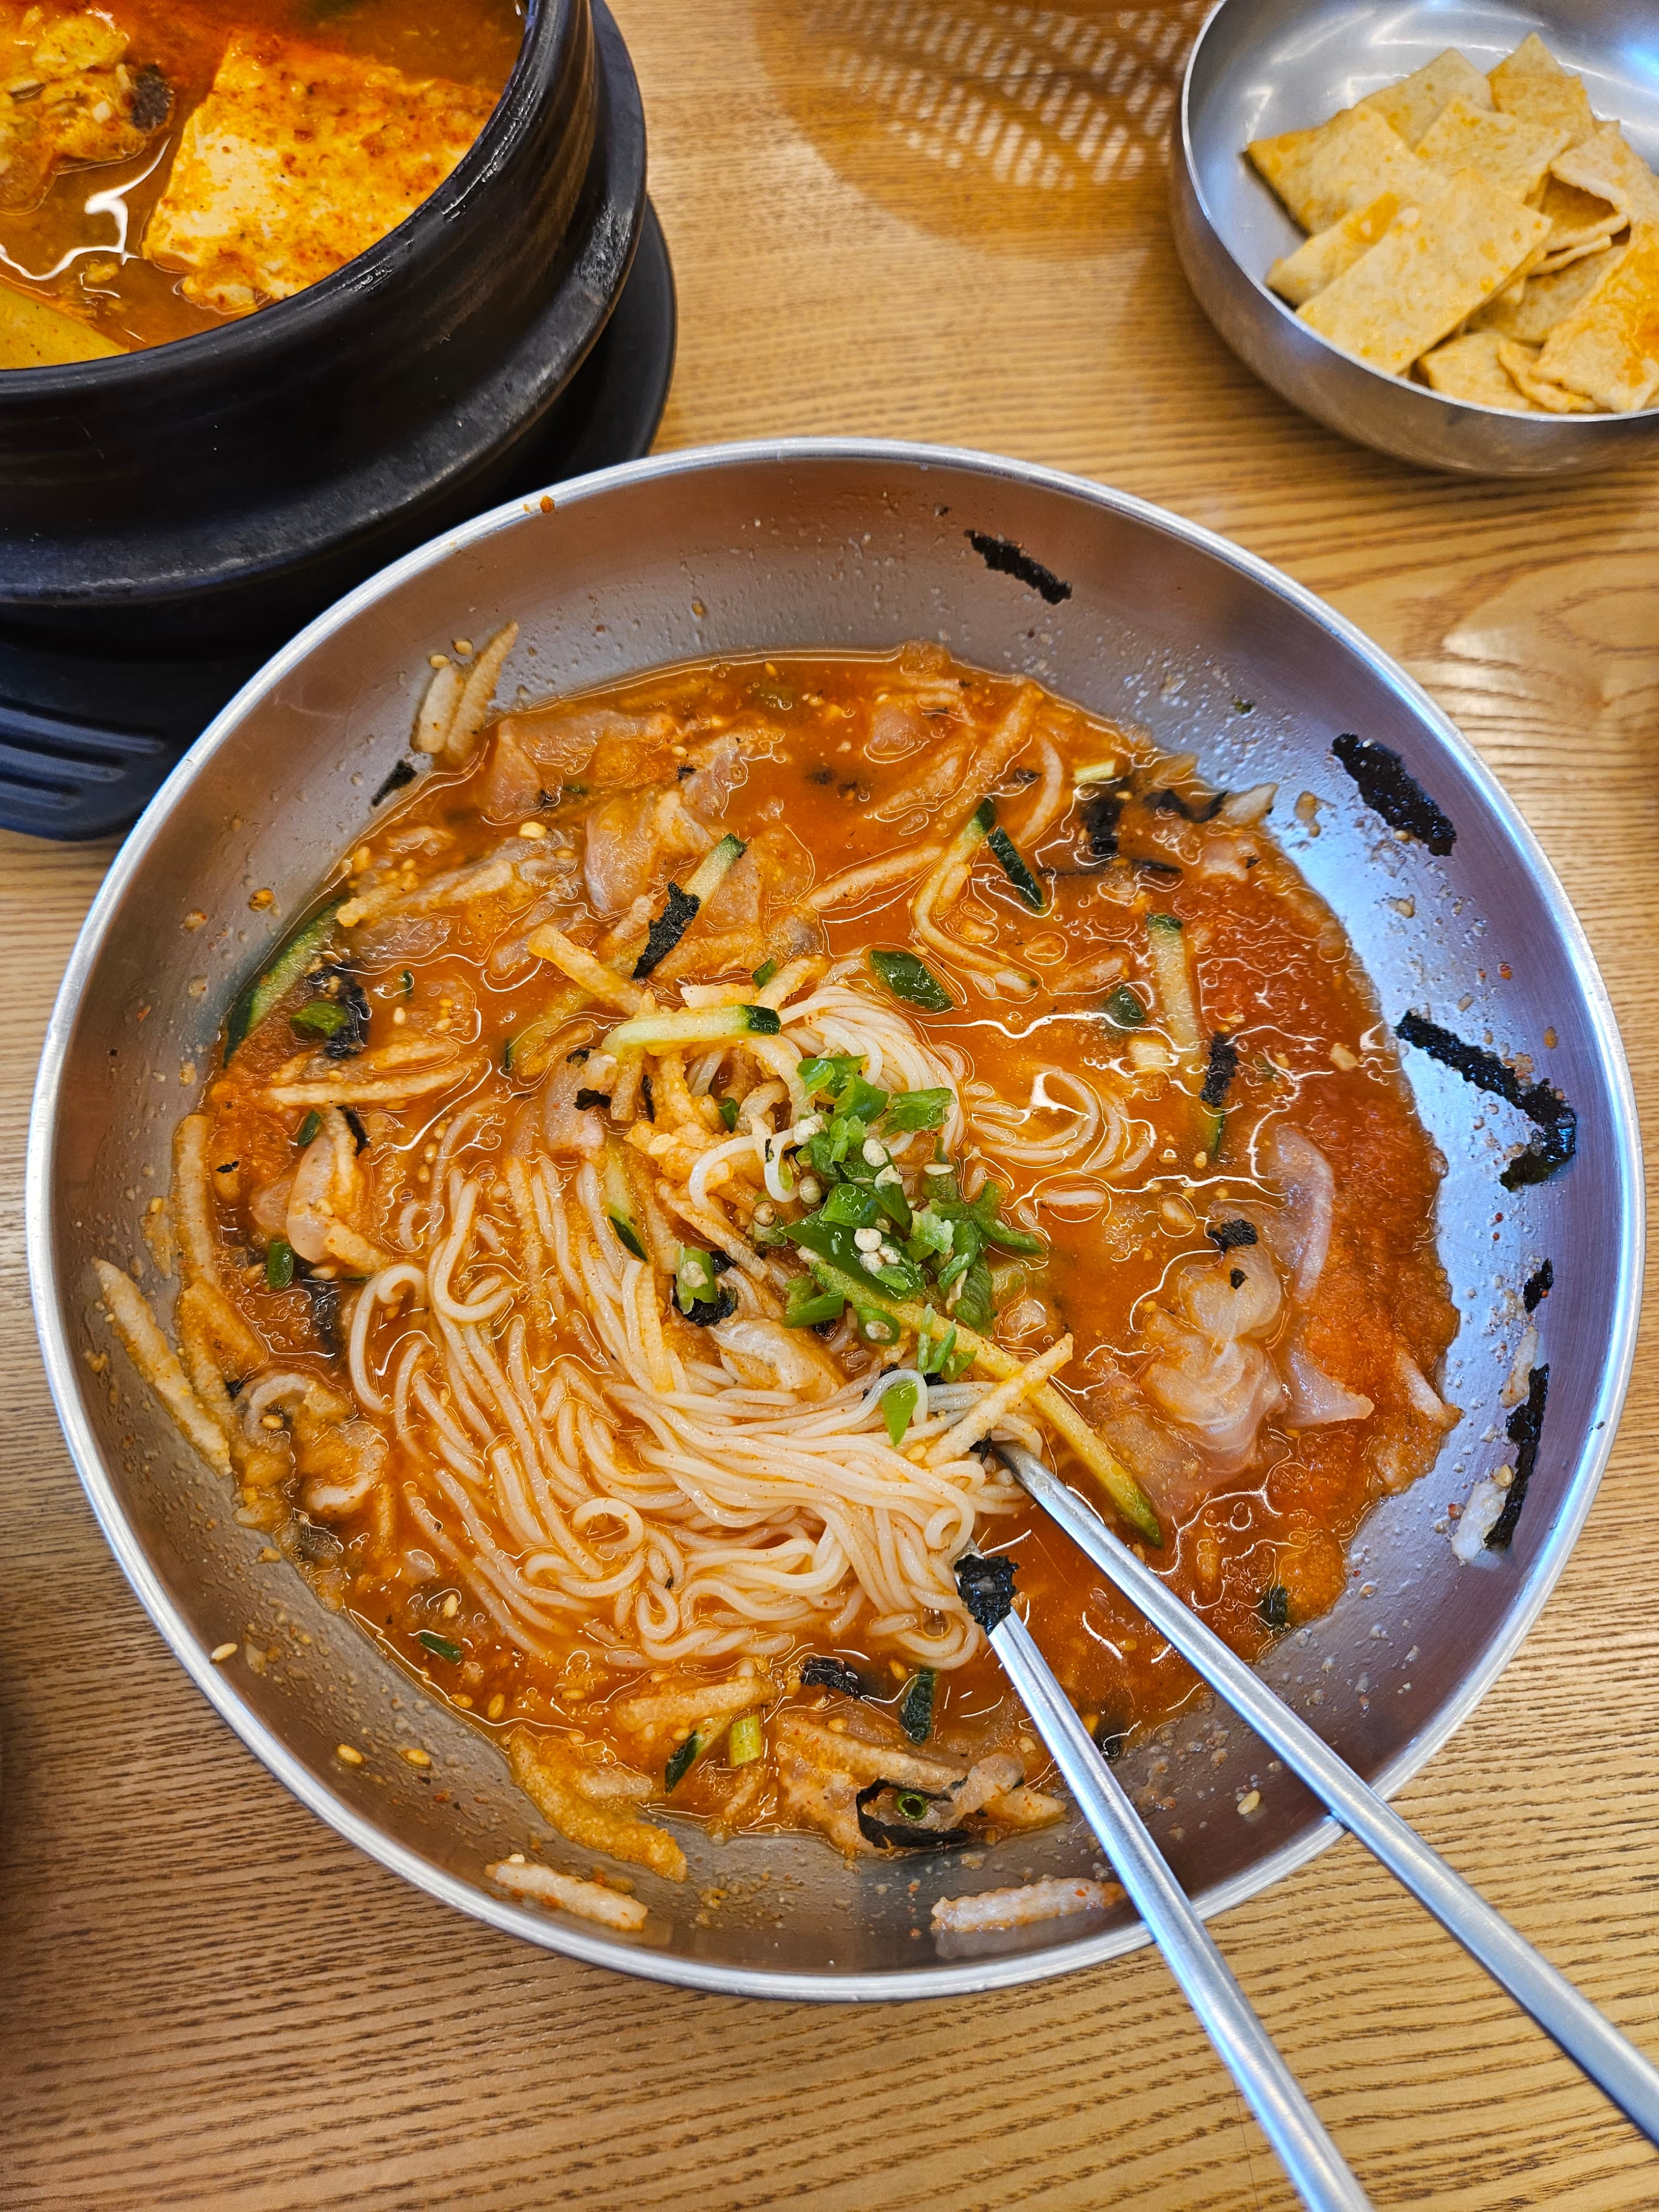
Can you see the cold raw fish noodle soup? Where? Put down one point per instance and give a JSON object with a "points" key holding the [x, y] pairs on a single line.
{"points": [[700, 1123]]}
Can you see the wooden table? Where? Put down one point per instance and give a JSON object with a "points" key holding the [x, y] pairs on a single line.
{"points": [[937, 219]]}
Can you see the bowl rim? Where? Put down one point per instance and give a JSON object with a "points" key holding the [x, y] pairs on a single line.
{"points": [[568, 1937], [1287, 314]]}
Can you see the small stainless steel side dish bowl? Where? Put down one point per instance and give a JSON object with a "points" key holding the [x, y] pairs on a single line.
{"points": [[1141, 616], [1259, 67]]}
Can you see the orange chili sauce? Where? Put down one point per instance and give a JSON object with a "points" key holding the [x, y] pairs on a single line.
{"points": [[472, 42], [1274, 972]]}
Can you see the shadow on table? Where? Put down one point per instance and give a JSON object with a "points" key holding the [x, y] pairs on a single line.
{"points": [[1041, 128]]}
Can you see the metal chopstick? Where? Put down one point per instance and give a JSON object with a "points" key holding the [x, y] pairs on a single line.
{"points": [[1305, 2150], [1563, 2012]]}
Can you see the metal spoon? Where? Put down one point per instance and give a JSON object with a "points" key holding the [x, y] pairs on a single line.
{"points": [[1563, 2012], [1305, 2150]]}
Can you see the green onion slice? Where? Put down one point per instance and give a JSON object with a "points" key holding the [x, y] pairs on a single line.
{"points": [[279, 1265], [439, 1646], [745, 1743]]}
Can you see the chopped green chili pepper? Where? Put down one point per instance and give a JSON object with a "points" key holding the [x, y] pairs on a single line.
{"points": [[915, 1705], [907, 979], [808, 1307], [279, 1265], [321, 1017], [910, 1805], [694, 1278], [1014, 867], [729, 1112], [765, 973], [898, 1407], [919, 1110], [307, 1128], [440, 1645], [680, 1761]]}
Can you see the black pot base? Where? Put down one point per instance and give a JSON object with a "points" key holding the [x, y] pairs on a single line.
{"points": [[86, 739]]}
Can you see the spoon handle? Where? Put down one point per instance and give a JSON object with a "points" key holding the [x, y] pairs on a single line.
{"points": [[1305, 2150], [1563, 2012]]}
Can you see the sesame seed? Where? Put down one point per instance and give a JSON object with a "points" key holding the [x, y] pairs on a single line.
{"points": [[222, 1652], [414, 1755], [437, 660], [532, 830], [1250, 1802], [349, 1754], [464, 647], [496, 1707]]}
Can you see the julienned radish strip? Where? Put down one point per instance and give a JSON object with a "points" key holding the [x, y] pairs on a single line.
{"points": [[1115, 1479], [1172, 979], [694, 1025], [1171, 957], [598, 980]]}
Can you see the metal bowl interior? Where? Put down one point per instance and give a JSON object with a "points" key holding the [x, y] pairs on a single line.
{"points": [[1262, 66], [857, 546]]}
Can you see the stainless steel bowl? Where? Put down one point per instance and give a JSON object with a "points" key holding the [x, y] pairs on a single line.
{"points": [[839, 544], [1263, 66]]}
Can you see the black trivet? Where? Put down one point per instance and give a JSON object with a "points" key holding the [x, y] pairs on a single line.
{"points": [[86, 738]]}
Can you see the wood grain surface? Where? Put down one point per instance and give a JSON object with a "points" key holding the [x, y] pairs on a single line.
{"points": [[939, 219]]}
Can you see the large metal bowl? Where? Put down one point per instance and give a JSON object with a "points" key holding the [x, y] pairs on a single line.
{"points": [[1263, 66], [1140, 616]]}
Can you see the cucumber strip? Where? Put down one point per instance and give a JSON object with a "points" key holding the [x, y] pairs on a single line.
{"points": [[907, 978], [692, 1025], [716, 865], [293, 957], [683, 907], [1014, 867], [1115, 1479], [1172, 977], [618, 1191]]}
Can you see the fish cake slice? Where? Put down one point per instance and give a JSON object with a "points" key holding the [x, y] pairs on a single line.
{"points": [[1513, 152], [1343, 164], [1434, 266], [1320, 260], [1531, 83], [1410, 105], [1607, 348], [1468, 367]]}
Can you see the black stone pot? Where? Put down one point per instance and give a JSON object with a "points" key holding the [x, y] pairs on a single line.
{"points": [[168, 518]]}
